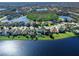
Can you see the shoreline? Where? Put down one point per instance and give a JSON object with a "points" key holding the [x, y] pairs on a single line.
{"points": [[59, 36]]}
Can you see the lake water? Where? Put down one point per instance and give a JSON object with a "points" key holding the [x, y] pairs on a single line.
{"points": [[2, 9], [66, 18], [68, 47], [22, 18]]}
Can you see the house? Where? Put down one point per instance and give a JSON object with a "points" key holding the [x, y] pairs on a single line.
{"points": [[54, 29]]}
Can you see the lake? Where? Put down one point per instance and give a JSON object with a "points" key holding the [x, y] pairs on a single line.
{"points": [[2, 9], [19, 19], [68, 47], [66, 18]]}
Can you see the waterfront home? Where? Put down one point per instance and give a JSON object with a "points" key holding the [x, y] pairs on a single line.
{"points": [[76, 32], [45, 30], [76, 29], [62, 29], [54, 29]]}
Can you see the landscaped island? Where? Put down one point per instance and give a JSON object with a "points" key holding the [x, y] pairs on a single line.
{"points": [[38, 26]]}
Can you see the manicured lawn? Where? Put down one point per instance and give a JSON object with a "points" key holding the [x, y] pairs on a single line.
{"points": [[63, 35], [56, 37]]}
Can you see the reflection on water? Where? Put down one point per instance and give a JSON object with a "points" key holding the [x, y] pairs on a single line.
{"points": [[51, 47], [10, 48]]}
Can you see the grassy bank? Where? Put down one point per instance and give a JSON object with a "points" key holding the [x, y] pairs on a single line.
{"points": [[56, 37]]}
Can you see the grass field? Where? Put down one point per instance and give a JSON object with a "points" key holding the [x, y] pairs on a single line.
{"points": [[56, 37]]}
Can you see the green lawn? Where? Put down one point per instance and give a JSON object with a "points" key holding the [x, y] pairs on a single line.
{"points": [[56, 37], [63, 35]]}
